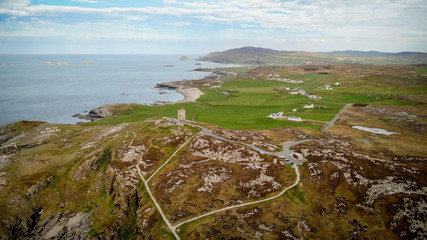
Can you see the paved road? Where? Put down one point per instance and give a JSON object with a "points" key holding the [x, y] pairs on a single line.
{"points": [[285, 152], [325, 128]]}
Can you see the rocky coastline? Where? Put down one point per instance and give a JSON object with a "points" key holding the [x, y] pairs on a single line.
{"points": [[96, 113]]}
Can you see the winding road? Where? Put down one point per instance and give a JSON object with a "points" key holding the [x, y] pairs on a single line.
{"points": [[286, 152], [330, 123]]}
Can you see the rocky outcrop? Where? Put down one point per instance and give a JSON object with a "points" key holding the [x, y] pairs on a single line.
{"points": [[166, 86], [19, 227], [96, 113], [9, 136], [63, 226], [101, 112], [34, 189], [91, 165]]}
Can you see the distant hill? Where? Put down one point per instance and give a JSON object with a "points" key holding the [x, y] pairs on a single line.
{"points": [[248, 50], [266, 56], [251, 54], [374, 54]]}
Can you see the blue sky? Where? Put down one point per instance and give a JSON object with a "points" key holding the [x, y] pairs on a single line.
{"points": [[198, 27]]}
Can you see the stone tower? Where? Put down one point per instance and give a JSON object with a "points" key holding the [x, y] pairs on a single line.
{"points": [[181, 114]]}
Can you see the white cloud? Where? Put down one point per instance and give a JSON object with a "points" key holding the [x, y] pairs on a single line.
{"points": [[169, 1], [85, 1], [244, 25], [135, 18], [367, 20], [10, 4], [312, 15]]}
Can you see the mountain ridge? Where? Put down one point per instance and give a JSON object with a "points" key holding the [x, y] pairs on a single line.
{"points": [[371, 53], [259, 55]]}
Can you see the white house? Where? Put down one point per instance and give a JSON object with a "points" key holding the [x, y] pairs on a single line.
{"points": [[309, 106], [293, 118], [275, 115], [315, 97]]}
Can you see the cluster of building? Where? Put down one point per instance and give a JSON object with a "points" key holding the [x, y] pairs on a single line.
{"points": [[278, 78], [303, 92], [328, 86], [280, 116]]}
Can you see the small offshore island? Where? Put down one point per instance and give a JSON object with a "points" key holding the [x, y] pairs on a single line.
{"points": [[286, 146]]}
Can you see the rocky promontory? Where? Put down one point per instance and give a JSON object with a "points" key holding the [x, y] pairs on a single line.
{"points": [[168, 86], [96, 113]]}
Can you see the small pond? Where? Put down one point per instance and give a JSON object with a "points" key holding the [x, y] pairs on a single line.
{"points": [[375, 130]]}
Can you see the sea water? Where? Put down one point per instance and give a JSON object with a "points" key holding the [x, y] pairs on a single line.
{"points": [[32, 90]]}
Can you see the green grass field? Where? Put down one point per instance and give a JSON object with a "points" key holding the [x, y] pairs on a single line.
{"points": [[422, 70], [247, 102]]}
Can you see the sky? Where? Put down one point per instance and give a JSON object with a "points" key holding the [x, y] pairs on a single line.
{"points": [[198, 27]]}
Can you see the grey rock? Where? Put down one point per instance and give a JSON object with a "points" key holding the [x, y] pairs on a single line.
{"points": [[64, 226], [33, 190], [96, 113]]}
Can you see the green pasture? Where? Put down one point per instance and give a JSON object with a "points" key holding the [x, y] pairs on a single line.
{"points": [[246, 99], [138, 113], [287, 100], [313, 116], [312, 80], [247, 102], [256, 86], [421, 69], [246, 117], [349, 98], [211, 96]]}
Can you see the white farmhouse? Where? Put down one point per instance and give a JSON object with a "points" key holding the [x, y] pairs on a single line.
{"points": [[309, 106], [275, 115], [293, 118]]}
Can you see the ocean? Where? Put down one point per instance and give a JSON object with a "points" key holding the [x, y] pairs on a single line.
{"points": [[31, 90]]}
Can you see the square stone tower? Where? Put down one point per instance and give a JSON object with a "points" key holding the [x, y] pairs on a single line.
{"points": [[181, 114]]}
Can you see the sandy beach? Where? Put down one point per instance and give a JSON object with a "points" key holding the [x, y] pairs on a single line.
{"points": [[190, 94]]}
